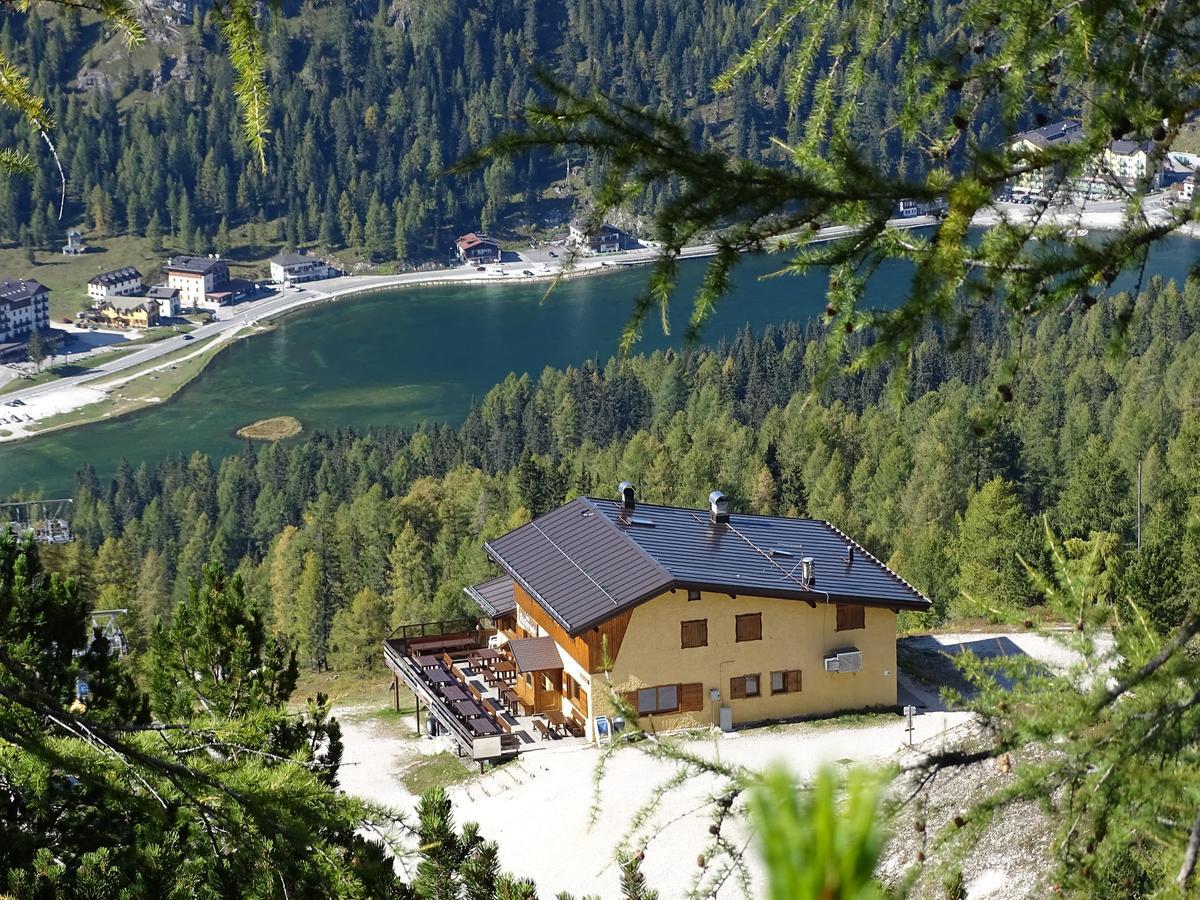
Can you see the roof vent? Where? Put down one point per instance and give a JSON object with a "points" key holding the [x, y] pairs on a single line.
{"points": [[808, 570], [628, 493], [718, 505]]}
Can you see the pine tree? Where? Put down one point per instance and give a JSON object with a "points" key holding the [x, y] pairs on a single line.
{"points": [[991, 578], [355, 637], [154, 232]]}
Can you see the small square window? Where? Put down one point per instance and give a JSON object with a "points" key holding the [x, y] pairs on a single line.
{"points": [[693, 594]]}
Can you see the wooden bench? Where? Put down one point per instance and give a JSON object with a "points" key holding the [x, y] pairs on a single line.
{"points": [[575, 725], [541, 728], [501, 722]]}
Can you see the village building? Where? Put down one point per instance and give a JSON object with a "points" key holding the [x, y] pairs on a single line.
{"points": [[602, 238], [293, 268], [695, 617], [1130, 163], [24, 308], [1067, 131], [200, 280], [74, 245], [123, 282], [477, 249], [129, 312], [167, 299]]}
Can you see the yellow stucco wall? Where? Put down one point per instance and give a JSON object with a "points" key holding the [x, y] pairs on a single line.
{"points": [[794, 636]]}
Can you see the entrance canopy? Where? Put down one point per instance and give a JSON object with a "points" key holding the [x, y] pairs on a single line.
{"points": [[538, 654]]}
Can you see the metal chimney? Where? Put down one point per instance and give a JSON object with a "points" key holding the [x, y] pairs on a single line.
{"points": [[628, 494], [718, 506], [808, 571]]}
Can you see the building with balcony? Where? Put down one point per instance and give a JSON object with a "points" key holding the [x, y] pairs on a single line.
{"points": [[694, 618]]}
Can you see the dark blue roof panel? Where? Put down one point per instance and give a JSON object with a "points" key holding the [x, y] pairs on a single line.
{"points": [[587, 561]]}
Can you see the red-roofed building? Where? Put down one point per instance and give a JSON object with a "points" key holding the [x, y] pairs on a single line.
{"points": [[477, 248]]}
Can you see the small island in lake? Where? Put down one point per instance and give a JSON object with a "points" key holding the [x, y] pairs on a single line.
{"points": [[273, 429]]}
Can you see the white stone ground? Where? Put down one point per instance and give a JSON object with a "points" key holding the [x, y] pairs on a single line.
{"points": [[538, 808]]}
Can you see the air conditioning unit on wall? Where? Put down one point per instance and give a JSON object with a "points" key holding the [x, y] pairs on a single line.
{"points": [[845, 661]]}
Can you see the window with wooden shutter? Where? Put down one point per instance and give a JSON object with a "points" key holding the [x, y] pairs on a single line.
{"points": [[850, 617], [785, 682], [748, 627], [693, 633], [752, 686], [691, 697], [744, 686], [663, 698]]}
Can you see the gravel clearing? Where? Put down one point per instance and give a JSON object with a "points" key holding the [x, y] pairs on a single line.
{"points": [[539, 808]]}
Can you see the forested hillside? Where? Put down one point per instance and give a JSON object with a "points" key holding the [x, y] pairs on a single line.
{"points": [[370, 102], [389, 525]]}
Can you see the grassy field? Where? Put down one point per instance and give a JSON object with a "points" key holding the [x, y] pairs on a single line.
{"points": [[67, 276], [136, 395], [438, 770], [354, 689]]}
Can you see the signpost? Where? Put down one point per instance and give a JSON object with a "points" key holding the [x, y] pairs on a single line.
{"points": [[908, 716]]}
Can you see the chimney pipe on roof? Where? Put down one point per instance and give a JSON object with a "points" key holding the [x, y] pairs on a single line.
{"points": [[718, 506], [628, 493]]}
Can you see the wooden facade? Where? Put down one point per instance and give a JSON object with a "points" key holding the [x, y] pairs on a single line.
{"points": [[589, 648]]}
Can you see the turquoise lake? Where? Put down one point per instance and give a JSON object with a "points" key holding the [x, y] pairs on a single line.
{"points": [[405, 356]]}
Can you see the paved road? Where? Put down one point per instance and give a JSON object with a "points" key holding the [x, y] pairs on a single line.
{"points": [[232, 319]]}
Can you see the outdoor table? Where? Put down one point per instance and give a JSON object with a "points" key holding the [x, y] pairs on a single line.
{"points": [[468, 709], [428, 662], [454, 693], [439, 676], [509, 696], [482, 727], [506, 670], [487, 655], [557, 719]]}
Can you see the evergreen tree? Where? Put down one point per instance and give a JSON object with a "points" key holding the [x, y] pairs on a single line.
{"points": [[991, 578]]}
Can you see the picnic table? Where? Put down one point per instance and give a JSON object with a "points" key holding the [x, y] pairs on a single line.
{"points": [[509, 697], [557, 719], [487, 655], [439, 676], [454, 694], [482, 727], [468, 709], [428, 662], [505, 670]]}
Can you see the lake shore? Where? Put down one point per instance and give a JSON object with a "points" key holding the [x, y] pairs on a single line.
{"points": [[98, 396]]}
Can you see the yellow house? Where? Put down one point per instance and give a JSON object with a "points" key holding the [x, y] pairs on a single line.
{"points": [[697, 617], [134, 312]]}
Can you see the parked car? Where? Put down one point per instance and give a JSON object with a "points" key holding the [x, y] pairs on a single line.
{"points": [[526, 272], [188, 337]]}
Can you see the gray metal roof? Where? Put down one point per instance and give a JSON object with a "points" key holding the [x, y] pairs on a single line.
{"points": [[1128, 148], [20, 289], [295, 259], [494, 596], [1068, 130], [586, 561], [194, 265], [539, 654], [116, 276]]}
